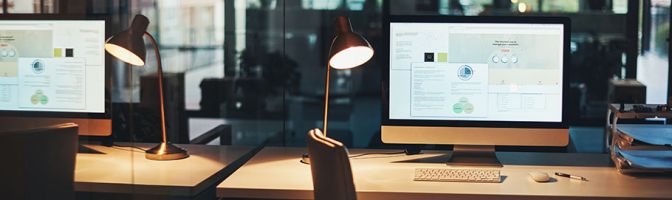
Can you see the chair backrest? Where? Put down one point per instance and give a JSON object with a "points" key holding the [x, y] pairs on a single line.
{"points": [[330, 167], [39, 163]]}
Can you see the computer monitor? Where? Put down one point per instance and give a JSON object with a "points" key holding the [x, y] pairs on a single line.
{"points": [[52, 70], [475, 82]]}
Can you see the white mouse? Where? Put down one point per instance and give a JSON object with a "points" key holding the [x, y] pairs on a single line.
{"points": [[540, 176]]}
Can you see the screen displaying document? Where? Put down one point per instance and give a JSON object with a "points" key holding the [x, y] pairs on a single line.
{"points": [[52, 65], [476, 72]]}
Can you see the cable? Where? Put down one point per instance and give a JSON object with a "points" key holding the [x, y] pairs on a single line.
{"points": [[366, 154], [130, 146], [126, 149]]}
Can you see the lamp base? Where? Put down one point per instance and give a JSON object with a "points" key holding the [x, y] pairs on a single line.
{"points": [[166, 151]]}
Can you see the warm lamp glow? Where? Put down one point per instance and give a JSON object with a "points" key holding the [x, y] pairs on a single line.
{"points": [[129, 47], [351, 57], [124, 54], [522, 7], [348, 50]]}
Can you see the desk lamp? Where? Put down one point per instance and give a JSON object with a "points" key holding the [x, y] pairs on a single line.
{"points": [[348, 50], [128, 46]]}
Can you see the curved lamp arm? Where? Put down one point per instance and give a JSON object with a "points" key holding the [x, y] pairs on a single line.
{"points": [[159, 71]]}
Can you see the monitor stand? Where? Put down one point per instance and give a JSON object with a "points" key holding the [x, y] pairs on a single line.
{"points": [[474, 155]]}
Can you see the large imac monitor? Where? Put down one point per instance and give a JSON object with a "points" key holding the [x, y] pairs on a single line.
{"points": [[475, 82], [52, 70]]}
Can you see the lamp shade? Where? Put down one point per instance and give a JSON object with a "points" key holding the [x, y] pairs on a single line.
{"points": [[348, 49], [128, 45]]}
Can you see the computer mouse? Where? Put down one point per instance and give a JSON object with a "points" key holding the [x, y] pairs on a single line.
{"points": [[540, 176]]}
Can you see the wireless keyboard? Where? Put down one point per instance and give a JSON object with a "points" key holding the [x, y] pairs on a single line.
{"points": [[457, 175]]}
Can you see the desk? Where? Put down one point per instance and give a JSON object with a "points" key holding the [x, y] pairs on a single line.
{"points": [[275, 172], [124, 170]]}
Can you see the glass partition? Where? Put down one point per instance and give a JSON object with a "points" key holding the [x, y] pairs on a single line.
{"points": [[253, 72], [259, 66]]}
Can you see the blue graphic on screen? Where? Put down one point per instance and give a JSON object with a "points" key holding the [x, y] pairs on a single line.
{"points": [[465, 72]]}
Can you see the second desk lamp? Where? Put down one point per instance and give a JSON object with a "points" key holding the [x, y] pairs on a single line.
{"points": [[128, 46], [348, 50]]}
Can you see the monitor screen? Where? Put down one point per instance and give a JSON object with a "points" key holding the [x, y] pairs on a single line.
{"points": [[476, 71], [52, 66]]}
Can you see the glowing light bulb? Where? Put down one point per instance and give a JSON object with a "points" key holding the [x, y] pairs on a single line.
{"points": [[522, 7], [351, 57]]}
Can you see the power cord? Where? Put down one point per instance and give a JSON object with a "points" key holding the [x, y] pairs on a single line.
{"points": [[386, 153], [130, 146]]}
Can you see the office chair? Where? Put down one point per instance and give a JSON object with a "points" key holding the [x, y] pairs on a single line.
{"points": [[330, 168], [39, 163]]}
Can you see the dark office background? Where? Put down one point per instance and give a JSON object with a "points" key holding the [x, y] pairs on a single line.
{"points": [[258, 66]]}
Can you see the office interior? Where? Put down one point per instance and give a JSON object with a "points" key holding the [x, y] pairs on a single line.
{"points": [[244, 83]]}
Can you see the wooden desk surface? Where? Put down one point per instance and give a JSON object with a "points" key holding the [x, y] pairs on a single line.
{"points": [[275, 172], [125, 170]]}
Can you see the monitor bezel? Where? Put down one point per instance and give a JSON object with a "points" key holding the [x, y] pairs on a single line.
{"points": [[386, 121], [107, 114]]}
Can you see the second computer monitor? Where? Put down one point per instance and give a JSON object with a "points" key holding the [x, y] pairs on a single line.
{"points": [[476, 81], [52, 71]]}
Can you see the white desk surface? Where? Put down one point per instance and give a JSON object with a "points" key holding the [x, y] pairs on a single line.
{"points": [[125, 170], [275, 172]]}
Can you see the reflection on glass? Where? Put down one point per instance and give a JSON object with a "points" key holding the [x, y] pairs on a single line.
{"points": [[30, 6], [258, 64], [652, 64], [320, 4], [569, 6]]}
